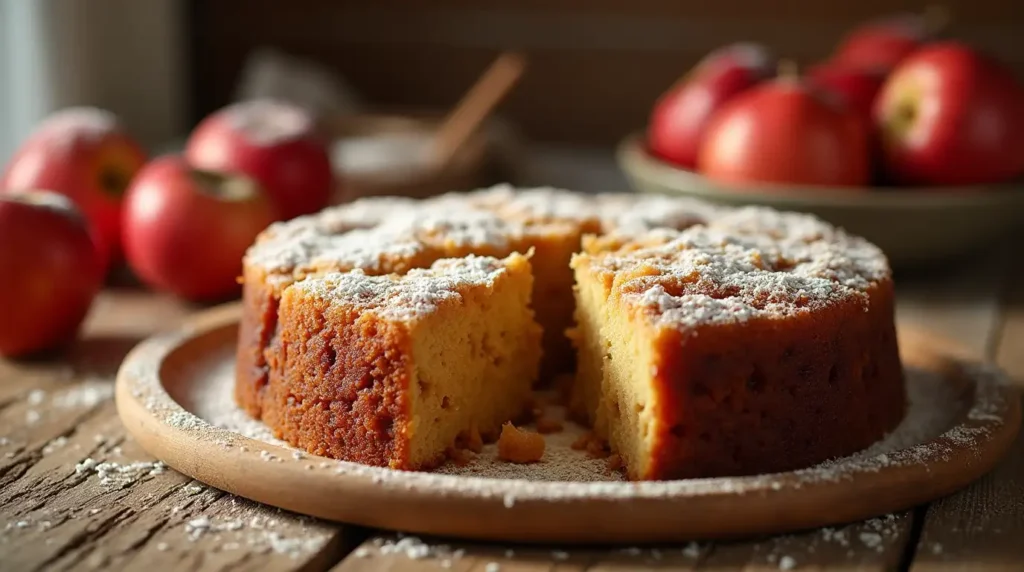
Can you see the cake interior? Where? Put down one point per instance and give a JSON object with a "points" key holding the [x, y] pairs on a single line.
{"points": [[479, 372], [612, 391], [769, 393], [720, 386]]}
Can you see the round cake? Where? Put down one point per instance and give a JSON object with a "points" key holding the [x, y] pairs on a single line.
{"points": [[706, 341]]}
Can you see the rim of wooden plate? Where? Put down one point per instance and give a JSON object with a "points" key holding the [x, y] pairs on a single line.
{"points": [[527, 511]]}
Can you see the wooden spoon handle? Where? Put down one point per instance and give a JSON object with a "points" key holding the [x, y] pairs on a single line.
{"points": [[476, 105]]}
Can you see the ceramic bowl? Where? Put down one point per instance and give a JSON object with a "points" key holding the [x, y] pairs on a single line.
{"points": [[913, 227]]}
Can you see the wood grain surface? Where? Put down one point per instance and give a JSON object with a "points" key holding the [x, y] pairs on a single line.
{"points": [[56, 412]]}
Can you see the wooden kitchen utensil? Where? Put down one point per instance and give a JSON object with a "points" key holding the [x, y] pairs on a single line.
{"points": [[476, 105]]}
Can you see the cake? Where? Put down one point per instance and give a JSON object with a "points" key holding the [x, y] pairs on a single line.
{"points": [[760, 342], [702, 340], [394, 370], [391, 235]]}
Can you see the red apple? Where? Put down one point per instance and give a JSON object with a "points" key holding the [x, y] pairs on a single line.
{"points": [[784, 131], [681, 115], [186, 230], [881, 44], [273, 142], [950, 116], [49, 271], [84, 154], [854, 87]]}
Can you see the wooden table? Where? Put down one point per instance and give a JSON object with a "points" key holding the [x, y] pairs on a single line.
{"points": [[77, 493]]}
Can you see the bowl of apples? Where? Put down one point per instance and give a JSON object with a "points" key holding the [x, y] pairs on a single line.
{"points": [[914, 143]]}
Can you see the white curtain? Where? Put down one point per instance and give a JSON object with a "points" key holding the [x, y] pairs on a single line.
{"points": [[123, 55]]}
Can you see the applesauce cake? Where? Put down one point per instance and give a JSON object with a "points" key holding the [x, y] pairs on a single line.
{"points": [[394, 370], [383, 235], [759, 342], [705, 340]]}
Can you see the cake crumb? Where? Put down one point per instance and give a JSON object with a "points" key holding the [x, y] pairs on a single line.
{"points": [[614, 462], [470, 440], [595, 447], [461, 457], [580, 444], [787, 563], [518, 446]]}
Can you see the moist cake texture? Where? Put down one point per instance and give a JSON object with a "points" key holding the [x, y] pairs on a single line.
{"points": [[705, 340], [394, 235], [394, 370], [760, 342]]}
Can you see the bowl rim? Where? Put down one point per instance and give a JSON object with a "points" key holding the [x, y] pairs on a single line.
{"points": [[636, 161]]}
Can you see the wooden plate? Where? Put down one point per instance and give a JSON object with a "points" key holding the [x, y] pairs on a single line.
{"points": [[977, 422], [913, 227]]}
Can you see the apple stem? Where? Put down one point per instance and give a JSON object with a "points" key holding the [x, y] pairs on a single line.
{"points": [[936, 19], [787, 69]]}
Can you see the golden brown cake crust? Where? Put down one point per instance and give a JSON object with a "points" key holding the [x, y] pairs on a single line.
{"points": [[257, 332], [346, 379], [344, 391], [759, 342], [777, 395], [747, 376], [390, 234]]}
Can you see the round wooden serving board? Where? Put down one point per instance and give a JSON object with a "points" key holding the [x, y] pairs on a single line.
{"points": [[163, 380]]}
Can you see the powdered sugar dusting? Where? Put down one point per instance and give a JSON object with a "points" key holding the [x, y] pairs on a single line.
{"points": [[119, 475], [406, 298], [632, 216], [769, 263], [927, 433], [248, 526], [749, 263], [538, 204]]}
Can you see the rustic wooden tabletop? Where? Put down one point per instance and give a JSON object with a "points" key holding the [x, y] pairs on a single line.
{"points": [[77, 493]]}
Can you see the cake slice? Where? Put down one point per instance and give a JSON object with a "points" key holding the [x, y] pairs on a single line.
{"points": [[712, 352], [394, 370]]}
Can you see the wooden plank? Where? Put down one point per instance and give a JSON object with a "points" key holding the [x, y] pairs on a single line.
{"points": [[77, 493], [402, 553], [877, 544], [981, 527]]}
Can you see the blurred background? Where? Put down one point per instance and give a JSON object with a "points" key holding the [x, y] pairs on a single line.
{"points": [[594, 67], [576, 112]]}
